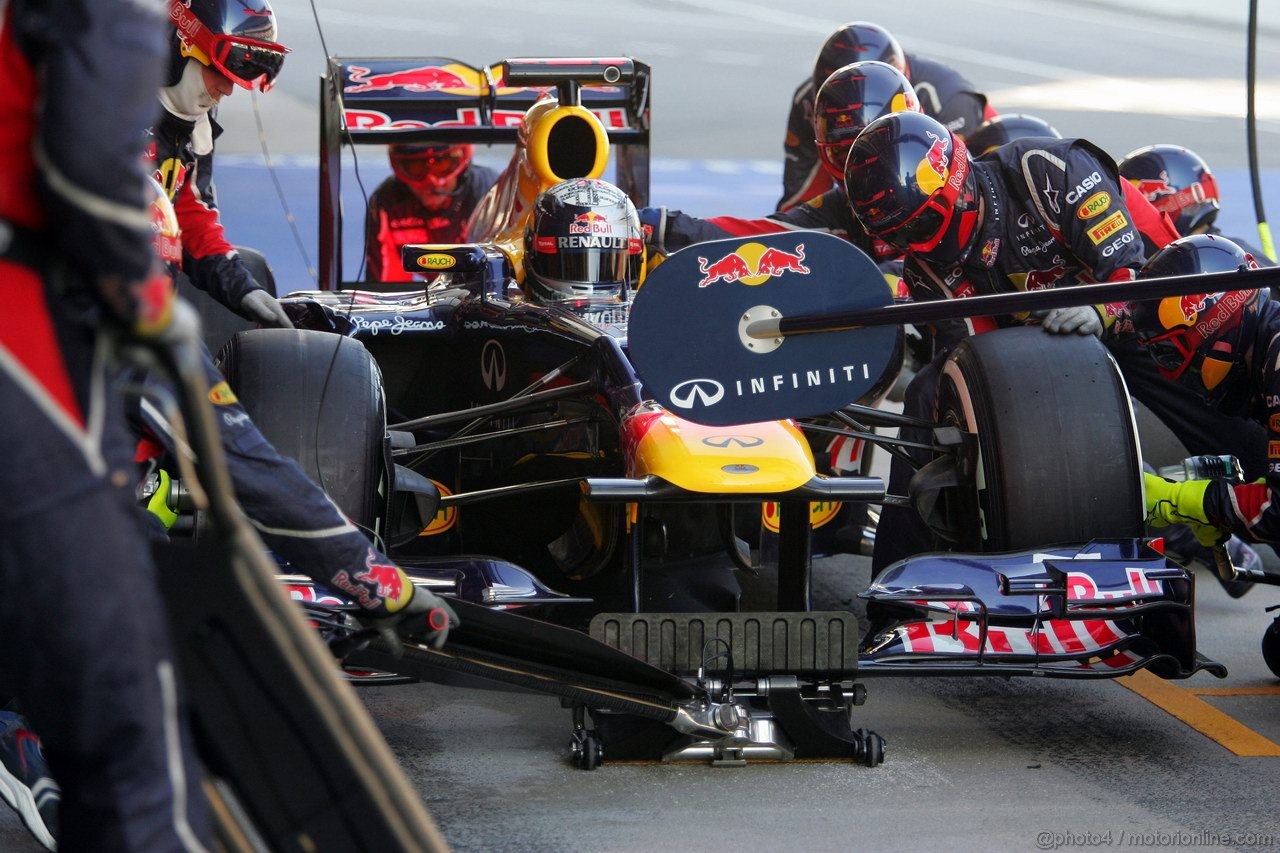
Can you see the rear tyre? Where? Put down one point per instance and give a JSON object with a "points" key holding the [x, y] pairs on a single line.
{"points": [[1054, 456], [318, 399]]}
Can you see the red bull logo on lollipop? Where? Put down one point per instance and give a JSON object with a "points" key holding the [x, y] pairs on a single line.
{"points": [[752, 264]]}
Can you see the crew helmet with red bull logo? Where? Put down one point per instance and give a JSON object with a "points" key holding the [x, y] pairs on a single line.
{"points": [[430, 169], [910, 183], [857, 41], [1005, 128], [1176, 181], [236, 37], [583, 242], [850, 99], [1200, 341]]}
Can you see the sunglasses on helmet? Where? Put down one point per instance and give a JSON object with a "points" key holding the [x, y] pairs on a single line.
{"points": [[249, 63]]}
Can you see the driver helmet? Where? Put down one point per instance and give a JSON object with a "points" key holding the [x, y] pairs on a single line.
{"points": [[1003, 129], [237, 38], [430, 170], [1176, 181], [910, 183], [858, 41], [850, 99], [1199, 341], [166, 236], [583, 242]]}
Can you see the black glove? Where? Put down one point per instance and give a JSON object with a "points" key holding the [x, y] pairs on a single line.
{"points": [[426, 617], [264, 308]]}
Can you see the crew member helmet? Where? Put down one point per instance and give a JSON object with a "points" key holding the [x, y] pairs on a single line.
{"points": [[1200, 341], [1003, 129], [850, 99], [583, 242], [910, 183], [236, 37], [1176, 181], [857, 41]]}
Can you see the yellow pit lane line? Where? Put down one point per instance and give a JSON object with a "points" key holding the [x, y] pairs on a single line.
{"points": [[1186, 706]]}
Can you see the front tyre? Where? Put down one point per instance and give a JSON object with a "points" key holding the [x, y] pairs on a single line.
{"points": [[1054, 454]]}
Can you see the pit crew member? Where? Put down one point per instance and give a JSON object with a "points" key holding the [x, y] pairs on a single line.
{"points": [[427, 199], [83, 635], [943, 92], [215, 45], [1032, 214], [293, 515], [1177, 181], [1224, 348]]}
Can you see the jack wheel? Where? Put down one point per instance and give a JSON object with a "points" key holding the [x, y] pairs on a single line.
{"points": [[585, 750], [871, 748], [1271, 648]]}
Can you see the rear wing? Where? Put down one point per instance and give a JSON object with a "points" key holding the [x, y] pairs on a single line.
{"points": [[378, 101]]}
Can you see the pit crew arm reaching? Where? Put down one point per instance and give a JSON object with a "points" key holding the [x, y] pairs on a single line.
{"points": [[209, 259], [1081, 200], [669, 231]]}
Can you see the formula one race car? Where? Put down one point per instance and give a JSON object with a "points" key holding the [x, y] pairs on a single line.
{"points": [[522, 432]]}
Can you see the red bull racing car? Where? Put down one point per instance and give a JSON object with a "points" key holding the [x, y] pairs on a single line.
{"points": [[510, 455]]}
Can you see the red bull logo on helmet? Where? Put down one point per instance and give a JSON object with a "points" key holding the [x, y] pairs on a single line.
{"points": [[1191, 306], [752, 264], [1152, 188], [591, 222], [931, 172]]}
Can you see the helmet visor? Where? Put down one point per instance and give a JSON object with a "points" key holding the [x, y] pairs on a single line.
{"points": [[586, 273], [1172, 351], [247, 62], [834, 155], [250, 64], [923, 230]]}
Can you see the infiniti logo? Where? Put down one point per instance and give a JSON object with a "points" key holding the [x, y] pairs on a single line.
{"points": [[707, 392], [493, 365], [733, 440]]}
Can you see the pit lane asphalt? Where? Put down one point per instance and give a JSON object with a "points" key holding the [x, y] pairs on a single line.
{"points": [[970, 764]]}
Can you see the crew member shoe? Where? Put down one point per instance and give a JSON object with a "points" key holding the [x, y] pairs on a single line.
{"points": [[25, 783]]}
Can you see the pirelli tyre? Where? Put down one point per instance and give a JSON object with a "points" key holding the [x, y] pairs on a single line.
{"points": [[1052, 451], [318, 399]]}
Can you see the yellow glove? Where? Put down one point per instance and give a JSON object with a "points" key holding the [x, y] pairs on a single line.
{"points": [[1173, 502]]}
